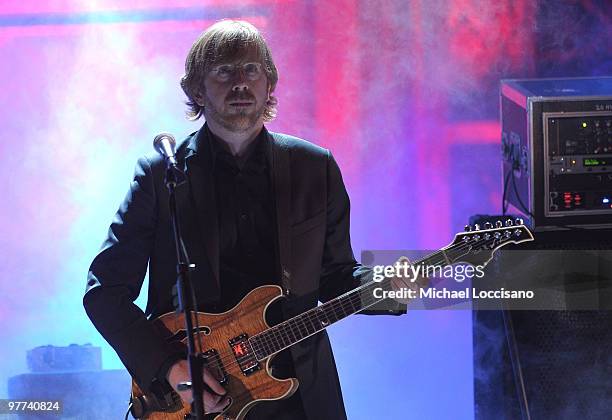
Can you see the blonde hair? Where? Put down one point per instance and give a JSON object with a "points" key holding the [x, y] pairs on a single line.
{"points": [[222, 42]]}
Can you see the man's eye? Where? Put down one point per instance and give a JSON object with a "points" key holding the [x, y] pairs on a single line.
{"points": [[251, 68], [224, 70]]}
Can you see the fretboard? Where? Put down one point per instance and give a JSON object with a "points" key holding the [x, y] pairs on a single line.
{"points": [[300, 327]]}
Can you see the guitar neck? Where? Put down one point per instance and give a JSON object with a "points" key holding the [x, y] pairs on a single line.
{"points": [[300, 327], [475, 246]]}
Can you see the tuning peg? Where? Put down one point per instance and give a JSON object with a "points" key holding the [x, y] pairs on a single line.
{"points": [[498, 224], [488, 225], [476, 226], [468, 228], [519, 221], [509, 223]]}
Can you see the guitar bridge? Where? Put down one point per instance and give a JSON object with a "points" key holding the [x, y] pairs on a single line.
{"points": [[244, 354]]}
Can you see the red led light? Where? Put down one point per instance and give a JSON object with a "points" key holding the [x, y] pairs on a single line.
{"points": [[239, 349]]}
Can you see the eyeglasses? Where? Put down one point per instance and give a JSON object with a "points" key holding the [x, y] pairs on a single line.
{"points": [[226, 72]]}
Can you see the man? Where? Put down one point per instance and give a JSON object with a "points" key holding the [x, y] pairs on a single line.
{"points": [[257, 208]]}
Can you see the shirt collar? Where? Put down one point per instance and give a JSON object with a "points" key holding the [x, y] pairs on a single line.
{"points": [[254, 158]]}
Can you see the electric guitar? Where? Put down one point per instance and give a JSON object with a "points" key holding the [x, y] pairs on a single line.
{"points": [[239, 344]]}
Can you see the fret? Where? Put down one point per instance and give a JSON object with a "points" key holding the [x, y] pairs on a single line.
{"points": [[331, 315], [303, 326], [289, 333], [321, 318], [256, 349], [266, 345], [347, 304], [262, 345], [303, 331], [261, 342], [342, 310], [337, 314], [347, 308], [292, 332], [281, 337], [363, 299], [308, 317], [312, 318], [292, 329], [327, 320], [275, 344]]}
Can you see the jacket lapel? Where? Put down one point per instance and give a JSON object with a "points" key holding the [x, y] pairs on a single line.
{"points": [[198, 168]]}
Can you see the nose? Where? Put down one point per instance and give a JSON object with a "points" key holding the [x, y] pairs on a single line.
{"points": [[240, 81]]}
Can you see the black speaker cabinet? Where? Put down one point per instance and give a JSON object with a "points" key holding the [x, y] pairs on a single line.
{"points": [[548, 364]]}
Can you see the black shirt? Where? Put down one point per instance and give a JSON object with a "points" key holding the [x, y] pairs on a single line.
{"points": [[247, 219], [246, 214]]}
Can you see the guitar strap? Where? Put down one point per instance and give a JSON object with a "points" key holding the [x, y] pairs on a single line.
{"points": [[281, 181]]}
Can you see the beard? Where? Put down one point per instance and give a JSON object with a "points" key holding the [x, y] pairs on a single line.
{"points": [[235, 120]]}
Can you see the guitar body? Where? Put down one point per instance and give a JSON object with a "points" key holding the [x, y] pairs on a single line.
{"points": [[224, 340]]}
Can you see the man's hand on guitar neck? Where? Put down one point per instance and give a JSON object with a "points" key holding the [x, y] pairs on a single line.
{"points": [[214, 402], [400, 283]]}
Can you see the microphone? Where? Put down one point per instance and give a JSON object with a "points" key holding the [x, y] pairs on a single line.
{"points": [[164, 143]]}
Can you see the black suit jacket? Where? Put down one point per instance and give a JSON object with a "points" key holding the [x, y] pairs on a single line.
{"points": [[316, 261]]}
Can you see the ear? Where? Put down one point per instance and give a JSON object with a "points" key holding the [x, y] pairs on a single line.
{"points": [[198, 97]]}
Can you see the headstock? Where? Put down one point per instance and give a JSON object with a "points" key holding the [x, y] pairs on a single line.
{"points": [[477, 244]]}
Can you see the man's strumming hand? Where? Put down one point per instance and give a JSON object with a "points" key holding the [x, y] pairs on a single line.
{"points": [[214, 402]]}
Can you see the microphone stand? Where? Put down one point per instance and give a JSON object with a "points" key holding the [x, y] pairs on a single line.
{"points": [[186, 298]]}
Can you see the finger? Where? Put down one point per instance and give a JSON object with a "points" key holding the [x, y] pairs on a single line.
{"points": [[186, 396], [221, 405], [211, 400], [398, 283], [214, 385]]}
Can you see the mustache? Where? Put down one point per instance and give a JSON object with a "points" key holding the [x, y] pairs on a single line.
{"points": [[240, 96]]}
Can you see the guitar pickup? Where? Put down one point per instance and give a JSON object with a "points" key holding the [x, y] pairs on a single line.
{"points": [[244, 354], [213, 362]]}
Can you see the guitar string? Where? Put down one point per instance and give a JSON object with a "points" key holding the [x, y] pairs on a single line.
{"points": [[274, 337]]}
